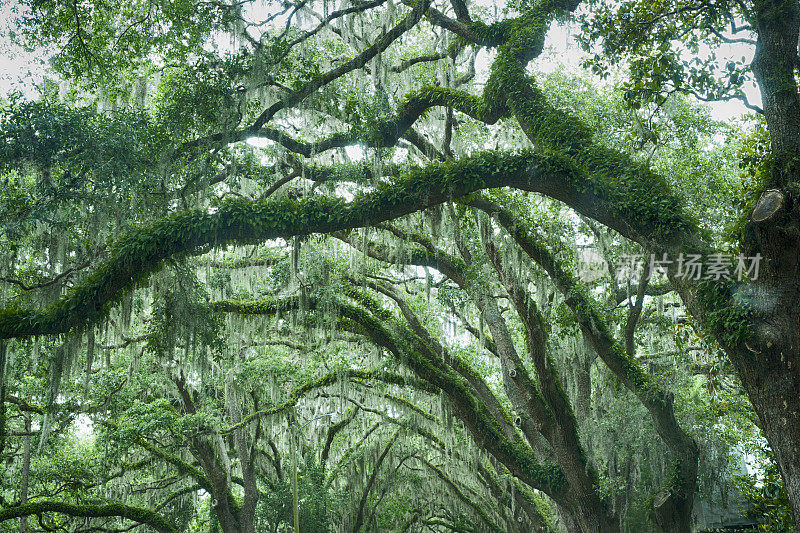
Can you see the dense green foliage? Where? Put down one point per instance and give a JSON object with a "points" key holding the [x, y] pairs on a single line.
{"points": [[324, 263]]}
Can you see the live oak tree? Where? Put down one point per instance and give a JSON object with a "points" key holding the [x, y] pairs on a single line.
{"points": [[173, 421], [97, 203]]}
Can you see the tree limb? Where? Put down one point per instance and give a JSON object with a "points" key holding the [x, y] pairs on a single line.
{"points": [[137, 514]]}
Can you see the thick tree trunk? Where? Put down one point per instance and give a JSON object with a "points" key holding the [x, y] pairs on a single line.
{"points": [[775, 393], [768, 362], [587, 518], [774, 63], [246, 454], [590, 512], [226, 513]]}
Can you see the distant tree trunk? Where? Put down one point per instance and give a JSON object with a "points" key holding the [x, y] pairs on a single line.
{"points": [[26, 469], [223, 504], [2, 396]]}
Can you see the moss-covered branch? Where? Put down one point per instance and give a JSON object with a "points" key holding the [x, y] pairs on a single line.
{"points": [[311, 86], [136, 514], [188, 489], [24, 406], [450, 266], [613, 188], [490, 524], [326, 381], [487, 431], [350, 453], [333, 429], [597, 331], [563, 434], [134, 256], [180, 465]]}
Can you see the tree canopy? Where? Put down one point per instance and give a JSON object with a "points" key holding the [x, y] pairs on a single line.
{"points": [[348, 265]]}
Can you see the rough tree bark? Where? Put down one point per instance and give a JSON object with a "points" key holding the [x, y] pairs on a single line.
{"points": [[768, 362]]}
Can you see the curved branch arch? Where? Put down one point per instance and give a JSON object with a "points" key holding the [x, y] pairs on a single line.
{"points": [[136, 514]]}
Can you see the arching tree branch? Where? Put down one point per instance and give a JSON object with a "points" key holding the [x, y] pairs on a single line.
{"points": [[136, 514]]}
